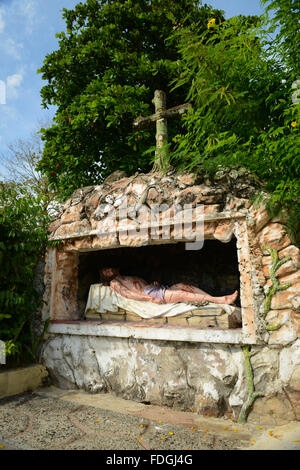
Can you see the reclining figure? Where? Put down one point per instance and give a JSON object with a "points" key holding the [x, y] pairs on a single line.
{"points": [[137, 289]]}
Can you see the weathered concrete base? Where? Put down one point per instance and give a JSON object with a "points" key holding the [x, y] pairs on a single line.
{"points": [[21, 380], [209, 378]]}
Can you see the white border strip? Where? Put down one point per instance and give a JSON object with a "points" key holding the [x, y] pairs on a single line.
{"points": [[116, 329]]}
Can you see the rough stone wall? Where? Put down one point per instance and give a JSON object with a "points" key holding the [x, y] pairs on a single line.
{"points": [[208, 378], [61, 284], [86, 222], [285, 304]]}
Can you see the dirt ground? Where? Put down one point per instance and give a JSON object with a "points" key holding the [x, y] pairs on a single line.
{"points": [[54, 419]]}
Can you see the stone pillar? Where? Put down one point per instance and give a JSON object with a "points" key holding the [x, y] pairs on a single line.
{"points": [[246, 294], [61, 281]]}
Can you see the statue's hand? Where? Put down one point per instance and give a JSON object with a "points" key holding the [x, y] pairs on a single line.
{"points": [[155, 283]]}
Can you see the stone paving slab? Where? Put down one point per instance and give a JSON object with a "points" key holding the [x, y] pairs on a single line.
{"points": [[54, 419], [286, 437]]}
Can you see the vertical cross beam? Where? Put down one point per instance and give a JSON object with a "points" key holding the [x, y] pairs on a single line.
{"points": [[160, 103], [160, 118]]}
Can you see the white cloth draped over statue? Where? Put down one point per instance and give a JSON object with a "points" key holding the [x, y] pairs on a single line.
{"points": [[103, 299]]}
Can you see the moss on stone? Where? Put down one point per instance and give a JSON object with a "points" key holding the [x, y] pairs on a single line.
{"points": [[275, 287], [252, 394]]}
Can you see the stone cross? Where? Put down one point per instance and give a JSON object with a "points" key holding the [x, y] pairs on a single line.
{"points": [[160, 118]]}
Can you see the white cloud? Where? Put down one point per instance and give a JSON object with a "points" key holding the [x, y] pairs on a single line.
{"points": [[2, 22], [8, 116], [29, 10], [13, 82], [2, 92], [12, 48]]}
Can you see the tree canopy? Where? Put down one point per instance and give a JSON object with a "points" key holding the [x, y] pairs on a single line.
{"points": [[111, 59], [238, 74], [240, 77]]}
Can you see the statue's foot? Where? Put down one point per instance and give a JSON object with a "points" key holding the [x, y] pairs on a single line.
{"points": [[230, 299]]}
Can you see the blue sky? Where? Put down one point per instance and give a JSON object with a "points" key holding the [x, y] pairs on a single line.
{"points": [[27, 34]]}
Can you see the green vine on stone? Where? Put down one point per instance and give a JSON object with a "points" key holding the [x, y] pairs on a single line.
{"points": [[275, 287], [252, 394]]}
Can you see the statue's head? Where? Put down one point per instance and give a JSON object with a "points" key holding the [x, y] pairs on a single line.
{"points": [[108, 273]]}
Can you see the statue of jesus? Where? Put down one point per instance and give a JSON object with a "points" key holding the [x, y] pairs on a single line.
{"points": [[137, 289]]}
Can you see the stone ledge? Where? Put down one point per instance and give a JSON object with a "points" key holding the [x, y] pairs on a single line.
{"points": [[140, 330], [211, 217], [13, 382]]}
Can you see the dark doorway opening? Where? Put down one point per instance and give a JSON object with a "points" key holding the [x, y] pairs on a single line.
{"points": [[214, 268]]}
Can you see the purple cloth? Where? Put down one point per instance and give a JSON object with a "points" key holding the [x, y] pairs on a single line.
{"points": [[156, 291]]}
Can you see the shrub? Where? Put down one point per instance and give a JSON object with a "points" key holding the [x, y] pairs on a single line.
{"points": [[22, 239]]}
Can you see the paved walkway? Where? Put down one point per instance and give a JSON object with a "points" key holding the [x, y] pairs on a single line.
{"points": [[50, 418]]}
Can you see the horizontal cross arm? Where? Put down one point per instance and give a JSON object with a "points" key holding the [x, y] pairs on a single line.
{"points": [[144, 122]]}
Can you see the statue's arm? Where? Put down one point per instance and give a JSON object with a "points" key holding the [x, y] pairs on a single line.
{"points": [[120, 289]]}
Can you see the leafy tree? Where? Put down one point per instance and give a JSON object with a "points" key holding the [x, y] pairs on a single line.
{"points": [[23, 224], [285, 23], [113, 56], [240, 83], [26, 206]]}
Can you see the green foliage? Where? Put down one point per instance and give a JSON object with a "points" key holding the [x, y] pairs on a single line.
{"points": [[111, 59], [35, 341], [252, 394], [275, 286], [285, 23], [22, 239], [237, 73], [240, 85]]}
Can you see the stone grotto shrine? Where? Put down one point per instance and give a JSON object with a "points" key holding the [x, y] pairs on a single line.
{"points": [[186, 356]]}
